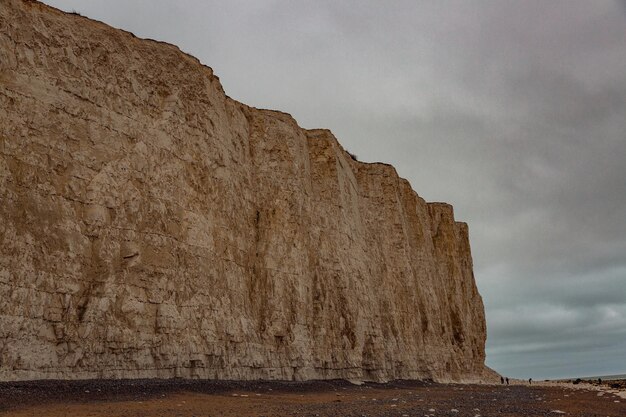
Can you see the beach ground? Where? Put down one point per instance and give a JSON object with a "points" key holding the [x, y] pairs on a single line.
{"points": [[176, 398]]}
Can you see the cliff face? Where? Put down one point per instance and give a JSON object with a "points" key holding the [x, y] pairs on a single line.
{"points": [[150, 226]]}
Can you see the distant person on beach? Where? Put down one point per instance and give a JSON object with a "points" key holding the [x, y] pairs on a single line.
{"points": [[502, 380], [507, 380], [600, 381], [530, 381]]}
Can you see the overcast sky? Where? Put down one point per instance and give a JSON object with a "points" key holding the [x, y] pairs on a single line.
{"points": [[512, 111]]}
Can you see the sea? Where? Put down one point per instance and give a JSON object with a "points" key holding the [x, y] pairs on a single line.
{"points": [[606, 377]]}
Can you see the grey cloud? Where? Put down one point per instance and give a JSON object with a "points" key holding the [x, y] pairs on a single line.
{"points": [[511, 111]]}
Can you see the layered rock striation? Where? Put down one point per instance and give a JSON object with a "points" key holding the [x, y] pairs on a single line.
{"points": [[151, 226]]}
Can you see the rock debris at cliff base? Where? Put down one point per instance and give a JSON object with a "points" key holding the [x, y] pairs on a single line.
{"points": [[185, 398], [151, 226]]}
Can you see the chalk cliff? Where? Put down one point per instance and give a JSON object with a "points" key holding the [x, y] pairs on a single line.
{"points": [[151, 226]]}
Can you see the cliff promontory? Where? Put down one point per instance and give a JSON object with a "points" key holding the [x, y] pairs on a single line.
{"points": [[151, 226]]}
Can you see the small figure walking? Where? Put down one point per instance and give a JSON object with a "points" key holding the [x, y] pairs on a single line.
{"points": [[502, 380], [507, 380], [530, 381]]}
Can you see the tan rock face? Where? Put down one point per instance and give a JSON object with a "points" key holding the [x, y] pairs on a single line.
{"points": [[150, 226]]}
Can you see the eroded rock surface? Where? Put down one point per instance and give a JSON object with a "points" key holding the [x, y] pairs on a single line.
{"points": [[150, 226]]}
